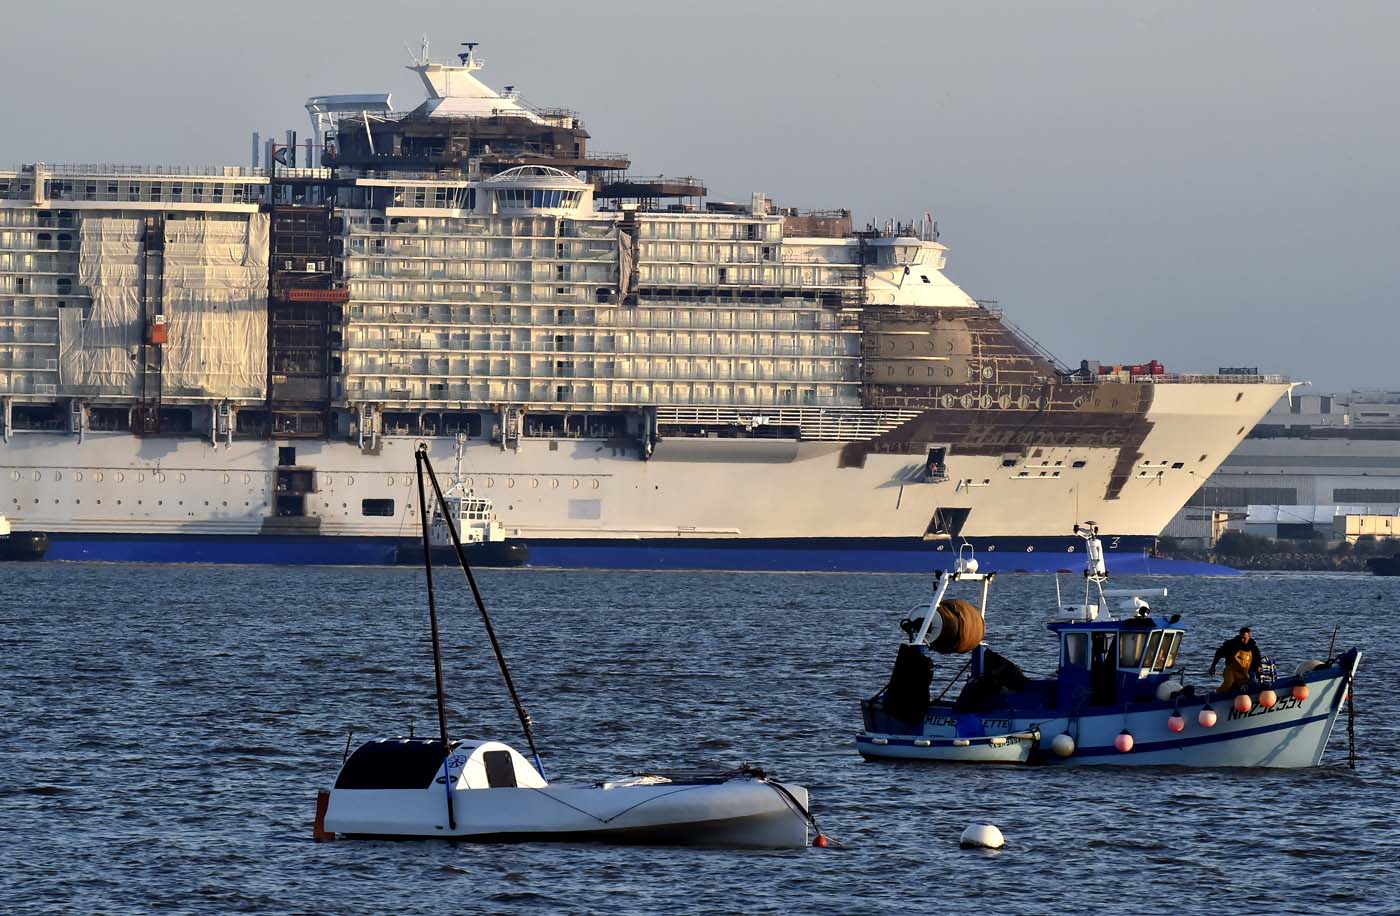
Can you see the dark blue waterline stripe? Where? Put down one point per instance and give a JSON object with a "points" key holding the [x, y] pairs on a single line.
{"points": [[1172, 744], [1203, 739], [911, 555]]}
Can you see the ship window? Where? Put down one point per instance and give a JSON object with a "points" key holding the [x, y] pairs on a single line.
{"points": [[1154, 642], [1166, 658], [925, 278], [1130, 646], [1076, 654], [1079, 464], [380, 508]]}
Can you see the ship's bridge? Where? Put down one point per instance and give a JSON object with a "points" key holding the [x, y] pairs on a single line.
{"points": [[539, 189]]}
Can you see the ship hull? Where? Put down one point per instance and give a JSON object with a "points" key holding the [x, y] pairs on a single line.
{"points": [[689, 502]]}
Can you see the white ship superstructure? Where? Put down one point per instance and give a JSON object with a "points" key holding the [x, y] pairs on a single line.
{"points": [[237, 363]]}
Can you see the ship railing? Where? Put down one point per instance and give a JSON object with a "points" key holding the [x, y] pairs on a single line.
{"points": [[994, 309], [1212, 378], [109, 169]]}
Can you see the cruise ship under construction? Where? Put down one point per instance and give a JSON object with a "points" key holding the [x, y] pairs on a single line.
{"points": [[236, 364]]}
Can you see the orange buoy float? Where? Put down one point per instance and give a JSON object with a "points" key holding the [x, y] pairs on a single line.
{"points": [[1124, 742], [1300, 691], [1267, 698], [1243, 703]]}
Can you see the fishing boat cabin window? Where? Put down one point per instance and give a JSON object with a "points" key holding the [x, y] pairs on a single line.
{"points": [[1130, 649], [1076, 651]]}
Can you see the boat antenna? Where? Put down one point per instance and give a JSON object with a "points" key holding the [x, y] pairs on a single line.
{"points": [[526, 723], [437, 639]]}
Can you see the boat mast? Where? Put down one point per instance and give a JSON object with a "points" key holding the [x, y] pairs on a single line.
{"points": [[526, 723], [422, 459]]}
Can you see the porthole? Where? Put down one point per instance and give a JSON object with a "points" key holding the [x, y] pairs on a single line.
{"points": [[57, 475], [595, 484], [1004, 402], [349, 481], [78, 476], [226, 480], [120, 477], [389, 481], [534, 483], [469, 483], [141, 477], [554, 483], [247, 479], [14, 475], [573, 484], [159, 477], [490, 482], [510, 483], [1023, 402], [182, 478], [97, 476]]}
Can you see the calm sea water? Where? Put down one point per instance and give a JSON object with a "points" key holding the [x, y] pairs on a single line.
{"points": [[164, 730]]}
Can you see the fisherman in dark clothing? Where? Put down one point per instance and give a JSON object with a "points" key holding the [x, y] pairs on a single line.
{"points": [[1232, 647]]}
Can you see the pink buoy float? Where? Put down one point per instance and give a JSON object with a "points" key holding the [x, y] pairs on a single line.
{"points": [[1300, 692], [1176, 722], [1207, 717], [1243, 703], [1124, 742], [1267, 698]]}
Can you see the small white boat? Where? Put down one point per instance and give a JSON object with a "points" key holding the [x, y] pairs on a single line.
{"points": [[487, 791], [1115, 697]]}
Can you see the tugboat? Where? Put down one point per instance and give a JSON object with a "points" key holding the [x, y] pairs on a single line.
{"points": [[1116, 697], [483, 536], [21, 545], [406, 788]]}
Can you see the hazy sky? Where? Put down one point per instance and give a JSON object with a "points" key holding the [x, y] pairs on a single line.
{"points": [[1206, 183]]}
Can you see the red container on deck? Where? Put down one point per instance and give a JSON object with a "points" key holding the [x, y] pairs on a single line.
{"points": [[160, 331], [1157, 368], [1137, 370]]}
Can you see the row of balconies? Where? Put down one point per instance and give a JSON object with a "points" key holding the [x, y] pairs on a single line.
{"points": [[576, 392], [634, 370]]}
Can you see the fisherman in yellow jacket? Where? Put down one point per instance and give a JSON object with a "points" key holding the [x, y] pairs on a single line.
{"points": [[1241, 656]]}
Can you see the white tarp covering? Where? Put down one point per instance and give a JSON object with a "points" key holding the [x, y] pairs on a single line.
{"points": [[215, 296], [97, 352]]}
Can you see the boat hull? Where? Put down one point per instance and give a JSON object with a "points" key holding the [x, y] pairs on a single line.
{"points": [[1292, 733], [734, 812], [24, 546], [481, 553]]}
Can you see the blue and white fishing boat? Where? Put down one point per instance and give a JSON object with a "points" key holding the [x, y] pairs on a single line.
{"points": [[1117, 696]]}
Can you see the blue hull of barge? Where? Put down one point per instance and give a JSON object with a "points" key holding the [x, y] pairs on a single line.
{"points": [[892, 555]]}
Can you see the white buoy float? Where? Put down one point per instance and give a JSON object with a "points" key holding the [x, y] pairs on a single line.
{"points": [[1062, 744], [1207, 716], [982, 836]]}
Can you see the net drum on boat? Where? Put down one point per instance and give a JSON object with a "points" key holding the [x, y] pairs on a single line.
{"points": [[962, 627]]}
